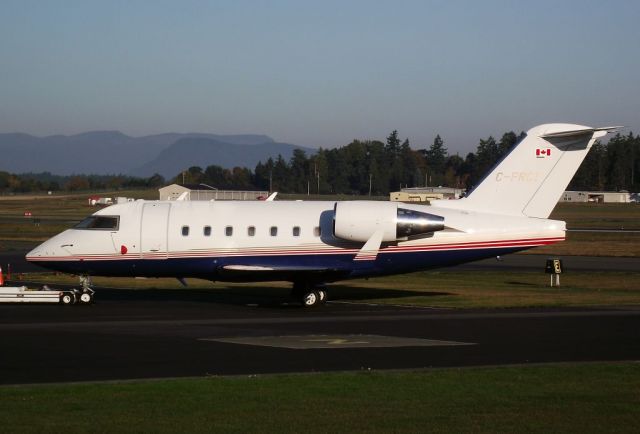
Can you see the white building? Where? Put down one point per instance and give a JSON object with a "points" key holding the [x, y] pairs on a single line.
{"points": [[595, 196], [207, 192], [425, 194]]}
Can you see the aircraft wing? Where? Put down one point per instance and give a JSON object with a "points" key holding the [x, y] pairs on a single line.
{"points": [[292, 273]]}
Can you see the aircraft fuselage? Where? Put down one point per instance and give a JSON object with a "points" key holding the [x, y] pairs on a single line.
{"points": [[251, 241]]}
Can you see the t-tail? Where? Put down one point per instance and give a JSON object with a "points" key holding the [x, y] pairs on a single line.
{"points": [[530, 180]]}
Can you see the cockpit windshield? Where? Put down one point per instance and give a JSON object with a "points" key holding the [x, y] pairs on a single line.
{"points": [[99, 222]]}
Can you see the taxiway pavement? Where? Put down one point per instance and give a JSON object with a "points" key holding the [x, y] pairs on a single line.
{"points": [[151, 334]]}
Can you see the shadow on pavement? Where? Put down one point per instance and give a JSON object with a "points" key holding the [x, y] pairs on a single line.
{"points": [[258, 296]]}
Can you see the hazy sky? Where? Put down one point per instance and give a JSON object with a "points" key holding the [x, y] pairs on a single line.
{"points": [[318, 73]]}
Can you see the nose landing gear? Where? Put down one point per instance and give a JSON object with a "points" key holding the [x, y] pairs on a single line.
{"points": [[86, 295]]}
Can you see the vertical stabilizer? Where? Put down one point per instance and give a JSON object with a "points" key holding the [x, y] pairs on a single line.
{"points": [[531, 178]]}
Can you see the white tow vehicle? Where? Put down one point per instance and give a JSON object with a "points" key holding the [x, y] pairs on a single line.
{"points": [[23, 294]]}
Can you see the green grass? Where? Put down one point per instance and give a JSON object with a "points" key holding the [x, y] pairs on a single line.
{"points": [[580, 398], [598, 215], [593, 244], [496, 289]]}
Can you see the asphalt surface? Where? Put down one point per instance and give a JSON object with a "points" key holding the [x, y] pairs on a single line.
{"points": [[131, 334], [150, 334]]}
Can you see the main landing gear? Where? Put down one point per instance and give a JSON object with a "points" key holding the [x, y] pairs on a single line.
{"points": [[309, 294]]}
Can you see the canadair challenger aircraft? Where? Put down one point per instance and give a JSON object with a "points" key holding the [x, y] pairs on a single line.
{"points": [[312, 243]]}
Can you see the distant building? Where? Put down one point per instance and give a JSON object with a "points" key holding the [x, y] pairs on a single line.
{"points": [[596, 196], [207, 192], [97, 200], [425, 194]]}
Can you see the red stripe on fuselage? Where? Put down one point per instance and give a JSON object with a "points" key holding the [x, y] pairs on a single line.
{"points": [[526, 242]]}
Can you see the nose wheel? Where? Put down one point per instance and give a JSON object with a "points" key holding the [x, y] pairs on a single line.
{"points": [[86, 298]]}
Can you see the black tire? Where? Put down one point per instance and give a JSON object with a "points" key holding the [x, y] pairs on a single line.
{"points": [[86, 298], [67, 298], [323, 295], [310, 299]]}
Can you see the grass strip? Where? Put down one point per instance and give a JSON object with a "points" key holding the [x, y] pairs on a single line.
{"points": [[581, 398]]}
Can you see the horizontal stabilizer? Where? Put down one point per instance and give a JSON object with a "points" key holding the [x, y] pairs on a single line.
{"points": [[579, 132]]}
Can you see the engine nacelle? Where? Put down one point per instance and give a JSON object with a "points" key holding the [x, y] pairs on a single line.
{"points": [[359, 220]]}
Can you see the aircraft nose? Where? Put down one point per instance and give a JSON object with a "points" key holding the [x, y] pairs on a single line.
{"points": [[36, 254], [48, 255], [33, 253], [44, 251]]}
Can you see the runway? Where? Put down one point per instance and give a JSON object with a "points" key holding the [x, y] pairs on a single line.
{"points": [[154, 334]]}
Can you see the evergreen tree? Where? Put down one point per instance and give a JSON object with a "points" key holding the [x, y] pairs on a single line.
{"points": [[281, 176], [507, 142], [378, 168], [453, 172], [299, 177], [436, 157], [487, 155], [393, 144], [338, 172]]}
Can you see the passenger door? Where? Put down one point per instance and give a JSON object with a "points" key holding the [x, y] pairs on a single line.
{"points": [[153, 230]]}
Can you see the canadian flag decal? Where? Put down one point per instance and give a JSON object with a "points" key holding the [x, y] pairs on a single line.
{"points": [[541, 153]]}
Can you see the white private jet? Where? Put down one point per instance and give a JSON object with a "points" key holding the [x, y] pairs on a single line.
{"points": [[312, 243]]}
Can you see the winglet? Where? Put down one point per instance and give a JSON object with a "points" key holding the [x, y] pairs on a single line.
{"points": [[271, 197]]}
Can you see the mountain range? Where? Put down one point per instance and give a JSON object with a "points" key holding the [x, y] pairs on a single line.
{"points": [[112, 152]]}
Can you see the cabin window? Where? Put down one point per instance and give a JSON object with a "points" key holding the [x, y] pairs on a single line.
{"points": [[207, 231], [273, 231], [185, 231], [296, 231], [99, 222], [251, 231], [228, 231], [316, 231]]}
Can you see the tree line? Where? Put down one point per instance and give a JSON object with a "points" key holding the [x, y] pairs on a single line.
{"points": [[363, 167], [42, 182], [375, 167]]}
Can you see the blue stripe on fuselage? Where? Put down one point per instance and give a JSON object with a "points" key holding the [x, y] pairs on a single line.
{"points": [[211, 268]]}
